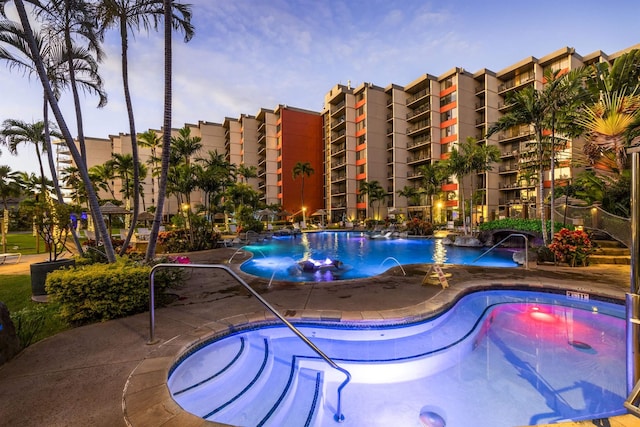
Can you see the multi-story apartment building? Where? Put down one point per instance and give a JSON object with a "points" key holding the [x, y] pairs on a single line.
{"points": [[273, 141], [370, 133]]}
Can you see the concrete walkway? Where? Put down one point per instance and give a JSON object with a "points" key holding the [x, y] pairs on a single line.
{"points": [[107, 375]]}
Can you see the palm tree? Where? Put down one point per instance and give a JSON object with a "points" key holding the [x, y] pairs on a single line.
{"points": [[375, 193], [17, 132], [411, 194], [300, 169], [482, 158], [247, 172], [71, 20], [102, 177], [150, 139], [67, 65], [128, 15], [459, 165], [62, 124], [214, 176], [528, 107], [9, 187], [432, 176], [607, 124]]}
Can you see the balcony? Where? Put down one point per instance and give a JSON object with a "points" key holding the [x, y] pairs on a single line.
{"points": [[415, 98], [418, 127], [339, 123], [335, 109], [419, 113], [419, 141], [418, 158], [522, 80]]}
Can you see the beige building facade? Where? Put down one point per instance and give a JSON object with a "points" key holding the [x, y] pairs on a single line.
{"points": [[387, 134]]}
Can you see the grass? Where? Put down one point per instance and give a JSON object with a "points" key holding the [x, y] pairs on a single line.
{"points": [[34, 321], [25, 243]]}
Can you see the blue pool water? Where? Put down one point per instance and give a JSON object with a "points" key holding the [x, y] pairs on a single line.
{"points": [[495, 359], [360, 256]]}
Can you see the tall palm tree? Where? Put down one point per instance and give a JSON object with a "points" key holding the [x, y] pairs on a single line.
{"points": [[247, 172], [67, 65], [411, 194], [62, 124], [302, 169], [374, 192], [102, 177], [71, 21], [459, 165], [126, 15], [169, 22], [151, 139], [528, 107], [483, 157], [432, 176]]}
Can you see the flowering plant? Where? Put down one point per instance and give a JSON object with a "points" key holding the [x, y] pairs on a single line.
{"points": [[572, 247]]}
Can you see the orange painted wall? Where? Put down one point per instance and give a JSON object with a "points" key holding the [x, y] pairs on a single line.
{"points": [[301, 142]]}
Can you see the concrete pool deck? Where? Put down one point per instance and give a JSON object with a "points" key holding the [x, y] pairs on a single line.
{"points": [[107, 375]]}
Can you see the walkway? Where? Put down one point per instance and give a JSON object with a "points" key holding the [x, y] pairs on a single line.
{"points": [[79, 377]]}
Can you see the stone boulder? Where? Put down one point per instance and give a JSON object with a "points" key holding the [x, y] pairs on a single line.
{"points": [[9, 341], [519, 257], [468, 242]]}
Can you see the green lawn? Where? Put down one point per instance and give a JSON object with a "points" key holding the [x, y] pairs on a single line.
{"points": [[38, 320], [24, 243]]}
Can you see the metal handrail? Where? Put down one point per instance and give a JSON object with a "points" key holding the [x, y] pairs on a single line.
{"points": [[339, 416], [526, 248]]}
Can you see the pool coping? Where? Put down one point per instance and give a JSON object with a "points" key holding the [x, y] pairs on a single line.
{"points": [[146, 399]]}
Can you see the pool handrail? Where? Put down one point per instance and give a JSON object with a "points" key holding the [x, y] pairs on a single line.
{"points": [[526, 248], [339, 416]]}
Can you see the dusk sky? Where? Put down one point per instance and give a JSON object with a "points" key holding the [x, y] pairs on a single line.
{"points": [[252, 54]]}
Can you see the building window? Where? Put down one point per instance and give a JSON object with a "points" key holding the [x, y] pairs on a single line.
{"points": [[360, 111], [448, 115], [362, 154], [446, 83], [448, 99], [362, 139], [361, 125], [448, 131]]}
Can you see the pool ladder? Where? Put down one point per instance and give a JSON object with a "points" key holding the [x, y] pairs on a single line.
{"points": [[526, 248], [339, 416]]}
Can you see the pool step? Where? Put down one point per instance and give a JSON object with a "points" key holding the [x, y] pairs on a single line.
{"points": [[249, 385]]}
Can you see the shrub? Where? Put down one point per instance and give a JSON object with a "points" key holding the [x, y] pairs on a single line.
{"points": [[100, 292], [419, 227], [530, 225], [29, 322], [572, 247]]}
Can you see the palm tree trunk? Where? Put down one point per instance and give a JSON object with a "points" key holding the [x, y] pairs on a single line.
{"points": [[91, 195], [166, 135], [541, 187], [553, 174], [132, 131], [52, 168]]}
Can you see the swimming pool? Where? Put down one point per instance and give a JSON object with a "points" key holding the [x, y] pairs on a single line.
{"points": [[359, 255], [496, 358]]}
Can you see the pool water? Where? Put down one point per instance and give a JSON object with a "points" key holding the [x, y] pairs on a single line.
{"points": [[359, 255], [495, 359]]}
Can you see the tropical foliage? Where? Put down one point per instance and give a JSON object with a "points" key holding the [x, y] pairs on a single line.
{"points": [[572, 246]]}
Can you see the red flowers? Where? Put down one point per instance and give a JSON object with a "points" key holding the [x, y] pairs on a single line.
{"points": [[572, 247]]}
